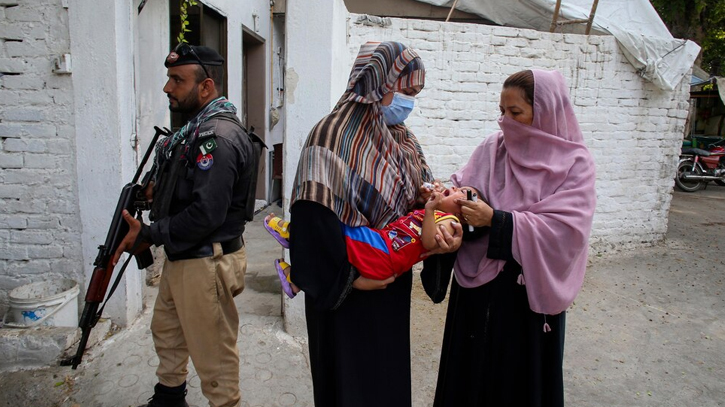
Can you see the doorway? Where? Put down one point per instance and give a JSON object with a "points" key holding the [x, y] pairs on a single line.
{"points": [[254, 96]]}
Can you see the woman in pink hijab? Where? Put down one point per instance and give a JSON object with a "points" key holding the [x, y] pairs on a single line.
{"points": [[522, 265]]}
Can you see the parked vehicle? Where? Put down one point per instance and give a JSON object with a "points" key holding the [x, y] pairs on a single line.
{"points": [[697, 167]]}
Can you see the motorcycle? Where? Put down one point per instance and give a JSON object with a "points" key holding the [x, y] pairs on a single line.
{"points": [[697, 167]]}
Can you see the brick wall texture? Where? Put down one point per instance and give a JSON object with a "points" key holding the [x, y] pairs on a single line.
{"points": [[39, 221], [633, 129]]}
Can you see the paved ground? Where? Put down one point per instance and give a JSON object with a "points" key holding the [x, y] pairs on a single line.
{"points": [[647, 330]]}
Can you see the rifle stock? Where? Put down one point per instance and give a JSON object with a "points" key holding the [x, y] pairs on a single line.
{"points": [[132, 200]]}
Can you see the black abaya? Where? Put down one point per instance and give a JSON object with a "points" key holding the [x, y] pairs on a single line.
{"points": [[359, 340], [495, 351]]}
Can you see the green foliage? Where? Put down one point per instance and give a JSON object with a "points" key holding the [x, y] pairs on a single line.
{"points": [[183, 16], [702, 21]]}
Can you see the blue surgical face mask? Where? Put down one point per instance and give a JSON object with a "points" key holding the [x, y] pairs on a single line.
{"points": [[399, 109]]}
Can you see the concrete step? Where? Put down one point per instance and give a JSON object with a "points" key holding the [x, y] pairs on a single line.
{"points": [[38, 347]]}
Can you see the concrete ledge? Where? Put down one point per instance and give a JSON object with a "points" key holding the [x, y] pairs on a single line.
{"points": [[33, 348]]}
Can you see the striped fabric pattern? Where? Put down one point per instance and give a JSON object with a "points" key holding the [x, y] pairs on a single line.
{"points": [[352, 163]]}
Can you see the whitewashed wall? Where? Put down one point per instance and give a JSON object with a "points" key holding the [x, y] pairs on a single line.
{"points": [[633, 129], [39, 223], [151, 41], [102, 46]]}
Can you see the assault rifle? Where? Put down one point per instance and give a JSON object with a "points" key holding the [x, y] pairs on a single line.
{"points": [[133, 200]]}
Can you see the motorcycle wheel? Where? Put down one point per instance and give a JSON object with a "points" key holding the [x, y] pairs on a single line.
{"points": [[685, 185]]}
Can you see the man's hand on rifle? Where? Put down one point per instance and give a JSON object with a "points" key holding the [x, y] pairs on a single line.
{"points": [[148, 192], [134, 228]]}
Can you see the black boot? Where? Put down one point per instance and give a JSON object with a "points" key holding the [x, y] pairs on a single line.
{"points": [[168, 396]]}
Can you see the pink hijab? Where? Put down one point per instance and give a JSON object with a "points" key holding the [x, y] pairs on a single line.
{"points": [[544, 175]]}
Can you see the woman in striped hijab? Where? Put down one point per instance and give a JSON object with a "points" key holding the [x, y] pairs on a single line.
{"points": [[360, 166]]}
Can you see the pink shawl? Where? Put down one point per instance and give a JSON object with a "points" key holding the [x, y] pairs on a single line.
{"points": [[544, 175]]}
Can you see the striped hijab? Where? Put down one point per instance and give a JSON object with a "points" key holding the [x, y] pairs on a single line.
{"points": [[364, 171]]}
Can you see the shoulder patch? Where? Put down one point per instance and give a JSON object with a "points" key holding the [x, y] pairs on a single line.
{"points": [[207, 146], [206, 133], [204, 161]]}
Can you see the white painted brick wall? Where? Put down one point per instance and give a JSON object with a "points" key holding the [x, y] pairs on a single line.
{"points": [[633, 129], [39, 221]]}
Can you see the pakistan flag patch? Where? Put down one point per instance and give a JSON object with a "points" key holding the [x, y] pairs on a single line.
{"points": [[208, 146]]}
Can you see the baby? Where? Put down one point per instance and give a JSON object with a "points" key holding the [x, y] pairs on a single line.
{"points": [[382, 253]]}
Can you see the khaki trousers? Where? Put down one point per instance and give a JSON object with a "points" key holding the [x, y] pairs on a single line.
{"points": [[195, 316]]}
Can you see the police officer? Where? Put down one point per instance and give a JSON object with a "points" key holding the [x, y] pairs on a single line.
{"points": [[202, 181]]}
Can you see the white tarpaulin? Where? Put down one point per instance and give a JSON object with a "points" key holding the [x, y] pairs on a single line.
{"points": [[644, 38]]}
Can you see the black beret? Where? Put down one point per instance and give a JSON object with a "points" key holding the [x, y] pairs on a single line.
{"points": [[185, 54]]}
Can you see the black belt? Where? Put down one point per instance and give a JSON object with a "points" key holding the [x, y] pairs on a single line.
{"points": [[207, 250]]}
